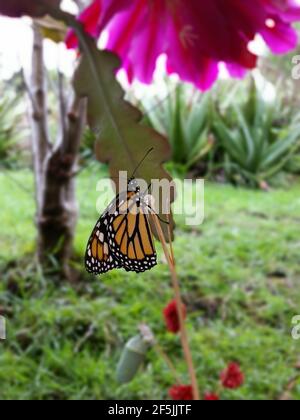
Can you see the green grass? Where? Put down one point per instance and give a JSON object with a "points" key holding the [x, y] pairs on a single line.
{"points": [[239, 273]]}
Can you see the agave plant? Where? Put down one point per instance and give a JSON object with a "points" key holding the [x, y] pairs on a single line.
{"points": [[256, 143], [184, 117], [293, 165]]}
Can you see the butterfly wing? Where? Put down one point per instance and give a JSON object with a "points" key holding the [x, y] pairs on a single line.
{"points": [[122, 238], [99, 258], [130, 236]]}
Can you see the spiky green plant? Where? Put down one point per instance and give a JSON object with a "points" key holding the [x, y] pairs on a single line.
{"points": [[184, 117], [256, 145]]}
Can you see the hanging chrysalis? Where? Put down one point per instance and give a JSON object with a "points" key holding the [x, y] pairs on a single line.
{"points": [[133, 356]]}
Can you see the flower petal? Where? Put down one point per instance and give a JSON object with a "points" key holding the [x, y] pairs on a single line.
{"points": [[195, 35], [281, 37], [90, 19], [236, 71], [288, 10], [149, 43], [96, 17]]}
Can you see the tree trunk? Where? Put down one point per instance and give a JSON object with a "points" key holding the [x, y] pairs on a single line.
{"points": [[54, 169]]}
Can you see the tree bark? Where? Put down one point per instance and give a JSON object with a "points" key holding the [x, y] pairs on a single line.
{"points": [[54, 168]]}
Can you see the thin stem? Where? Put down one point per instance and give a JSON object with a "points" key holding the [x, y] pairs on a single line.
{"points": [[170, 240], [183, 335]]}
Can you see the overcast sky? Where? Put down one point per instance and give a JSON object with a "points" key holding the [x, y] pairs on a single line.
{"points": [[16, 46]]}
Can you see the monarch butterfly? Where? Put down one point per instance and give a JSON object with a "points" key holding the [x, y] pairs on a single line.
{"points": [[122, 237]]}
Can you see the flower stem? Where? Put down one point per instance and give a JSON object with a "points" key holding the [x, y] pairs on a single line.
{"points": [[179, 303]]}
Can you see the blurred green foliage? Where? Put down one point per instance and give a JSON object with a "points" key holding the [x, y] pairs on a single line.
{"points": [[86, 153], [185, 118], [234, 130], [11, 136], [256, 144]]}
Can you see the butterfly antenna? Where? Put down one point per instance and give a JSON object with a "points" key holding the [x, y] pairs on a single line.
{"points": [[141, 162]]}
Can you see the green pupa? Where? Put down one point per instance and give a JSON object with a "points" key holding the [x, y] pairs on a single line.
{"points": [[132, 358]]}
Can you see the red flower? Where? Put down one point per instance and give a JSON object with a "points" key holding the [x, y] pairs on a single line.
{"points": [[172, 318], [196, 36], [181, 393], [232, 377], [17, 8], [211, 397]]}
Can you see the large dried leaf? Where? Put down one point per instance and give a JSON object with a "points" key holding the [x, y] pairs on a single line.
{"points": [[122, 139]]}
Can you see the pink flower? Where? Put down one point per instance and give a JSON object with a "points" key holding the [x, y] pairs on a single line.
{"points": [[181, 393], [195, 35], [96, 17], [172, 317], [232, 377]]}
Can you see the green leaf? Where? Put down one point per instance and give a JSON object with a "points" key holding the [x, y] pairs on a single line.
{"points": [[279, 151], [197, 120], [177, 130], [246, 134], [232, 144]]}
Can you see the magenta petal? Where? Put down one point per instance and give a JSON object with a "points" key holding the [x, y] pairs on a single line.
{"points": [[195, 35], [96, 17], [111, 8], [288, 10], [205, 76], [90, 19], [209, 73], [236, 70], [128, 67], [124, 27], [193, 68], [149, 44], [281, 39], [221, 29], [138, 36]]}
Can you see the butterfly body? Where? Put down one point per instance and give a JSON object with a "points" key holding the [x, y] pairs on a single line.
{"points": [[122, 237]]}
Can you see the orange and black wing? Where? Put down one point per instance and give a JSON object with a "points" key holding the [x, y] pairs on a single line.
{"points": [[130, 237], [99, 259]]}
